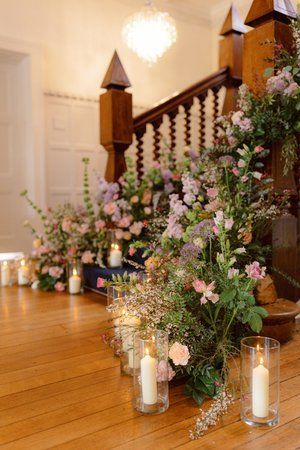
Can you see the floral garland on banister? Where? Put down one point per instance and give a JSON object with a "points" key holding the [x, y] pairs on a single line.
{"points": [[206, 265]]}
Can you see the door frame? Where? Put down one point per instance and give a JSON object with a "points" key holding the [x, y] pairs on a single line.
{"points": [[36, 157]]}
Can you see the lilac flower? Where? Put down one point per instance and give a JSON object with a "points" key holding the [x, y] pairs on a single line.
{"points": [[174, 229], [189, 199], [169, 188], [202, 230], [188, 253], [189, 185], [226, 161], [239, 120], [107, 191], [177, 206]]}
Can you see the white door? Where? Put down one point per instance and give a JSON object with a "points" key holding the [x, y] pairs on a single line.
{"points": [[14, 151]]}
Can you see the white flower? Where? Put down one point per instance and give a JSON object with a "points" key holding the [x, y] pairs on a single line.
{"points": [[257, 175], [240, 250]]}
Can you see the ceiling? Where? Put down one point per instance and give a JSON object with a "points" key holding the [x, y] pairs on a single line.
{"points": [[199, 12]]}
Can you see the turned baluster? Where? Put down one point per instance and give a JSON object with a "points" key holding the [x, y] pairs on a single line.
{"points": [[172, 117], [202, 124], [157, 138], [215, 92], [188, 124], [139, 154]]}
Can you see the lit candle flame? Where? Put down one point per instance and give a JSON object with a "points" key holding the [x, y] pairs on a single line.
{"points": [[74, 272], [5, 263], [147, 351], [23, 262], [261, 360], [258, 348]]}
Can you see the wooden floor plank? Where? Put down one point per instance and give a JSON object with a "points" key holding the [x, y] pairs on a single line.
{"points": [[60, 386]]}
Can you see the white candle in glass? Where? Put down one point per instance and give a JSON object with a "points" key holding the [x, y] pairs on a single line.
{"points": [[129, 325], [115, 256], [260, 390], [5, 274], [74, 283], [23, 274], [148, 379]]}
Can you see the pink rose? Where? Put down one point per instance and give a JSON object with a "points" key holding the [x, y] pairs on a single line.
{"points": [[127, 236], [119, 234], [179, 354], [60, 287], [124, 222], [110, 208], [235, 171], [255, 272], [88, 257], [136, 228], [215, 230], [84, 228], [212, 192], [258, 149], [55, 272], [99, 225], [134, 199], [100, 282], [164, 371]]}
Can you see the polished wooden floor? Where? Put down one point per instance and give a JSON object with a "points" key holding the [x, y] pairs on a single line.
{"points": [[60, 386]]}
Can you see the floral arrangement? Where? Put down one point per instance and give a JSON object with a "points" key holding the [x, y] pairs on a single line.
{"points": [[206, 265], [68, 233]]}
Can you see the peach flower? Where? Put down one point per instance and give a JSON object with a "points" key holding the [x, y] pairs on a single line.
{"points": [[179, 354]]}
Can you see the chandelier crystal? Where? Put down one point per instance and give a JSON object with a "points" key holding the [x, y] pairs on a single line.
{"points": [[150, 33]]}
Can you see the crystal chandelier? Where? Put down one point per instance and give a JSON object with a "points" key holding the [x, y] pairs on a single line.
{"points": [[149, 33]]}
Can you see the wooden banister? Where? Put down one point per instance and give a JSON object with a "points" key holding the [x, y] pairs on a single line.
{"points": [[197, 106], [218, 79]]}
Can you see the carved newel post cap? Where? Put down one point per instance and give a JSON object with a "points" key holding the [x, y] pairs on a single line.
{"points": [[233, 23], [264, 10], [116, 77]]}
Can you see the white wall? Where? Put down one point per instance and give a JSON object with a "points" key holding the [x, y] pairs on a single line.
{"points": [[78, 37]]}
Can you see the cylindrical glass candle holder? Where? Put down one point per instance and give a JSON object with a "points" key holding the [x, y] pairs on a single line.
{"points": [[129, 324], [5, 272], [23, 272], [114, 250], [260, 366], [151, 385], [74, 276]]}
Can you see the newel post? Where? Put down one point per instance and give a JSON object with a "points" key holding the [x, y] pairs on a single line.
{"points": [[269, 20], [231, 55], [116, 123]]}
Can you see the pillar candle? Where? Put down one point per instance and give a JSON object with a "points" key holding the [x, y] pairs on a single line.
{"points": [[260, 390], [23, 274], [115, 256], [148, 379], [5, 274], [74, 283]]}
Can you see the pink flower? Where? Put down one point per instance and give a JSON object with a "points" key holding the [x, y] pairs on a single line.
{"points": [[212, 192], [124, 222], [235, 171], [55, 271], [199, 286], [232, 273], [134, 199], [215, 230], [99, 225], [229, 224], [244, 178], [147, 210], [110, 208], [71, 251], [59, 287], [88, 257], [136, 228], [45, 270], [258, 149], [131, 251], [119, 234], [179, 354], [164, 371], [100, 282], [127, 235], [241, 163], [255, 272], [66, 225], [84, 228]]}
